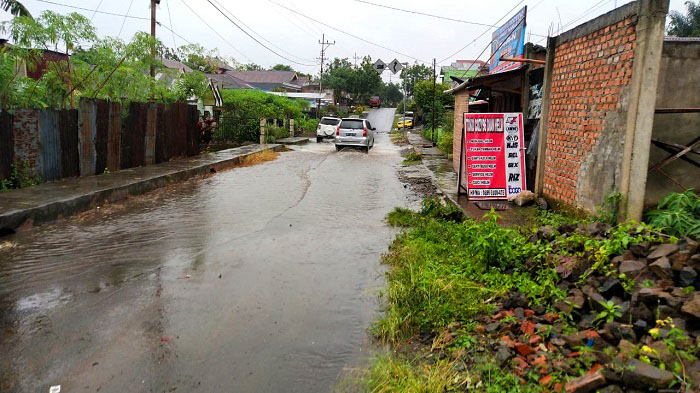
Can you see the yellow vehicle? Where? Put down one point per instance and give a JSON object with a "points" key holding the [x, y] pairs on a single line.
{"points": [[404, 122]]}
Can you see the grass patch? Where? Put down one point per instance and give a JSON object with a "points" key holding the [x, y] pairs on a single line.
{"points": [[446, 269], [258, 158], [396, 374], [413, 158]]}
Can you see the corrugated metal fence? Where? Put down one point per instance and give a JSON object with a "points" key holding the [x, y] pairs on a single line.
{"points": [[53, 144]]}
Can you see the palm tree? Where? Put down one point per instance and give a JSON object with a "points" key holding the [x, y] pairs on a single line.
{"points": [[15, 8]]}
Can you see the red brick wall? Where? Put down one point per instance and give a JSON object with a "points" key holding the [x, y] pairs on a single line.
{"points": [[588, 75], [461, 106]]}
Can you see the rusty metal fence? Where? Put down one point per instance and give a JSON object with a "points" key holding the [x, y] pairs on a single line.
{"points": [[99, 136]]}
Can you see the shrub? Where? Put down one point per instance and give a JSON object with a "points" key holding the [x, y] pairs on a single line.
{"points": [[678, 214]]}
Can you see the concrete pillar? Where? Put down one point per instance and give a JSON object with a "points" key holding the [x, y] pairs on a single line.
{"points": [[291, 128], [263, 134], [544, 116], [640, 117]]}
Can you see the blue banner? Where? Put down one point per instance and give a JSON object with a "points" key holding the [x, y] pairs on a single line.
{"points": [[508, 41]]}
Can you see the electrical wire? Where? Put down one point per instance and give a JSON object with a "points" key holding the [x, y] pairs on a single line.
{"points": [[292, 21], [125, 15], [588, 11], [97, 8], [255, 39], [119, 15], [93, 10], [170, 21], [431, 15], [492, 53], [349, 34], [481, 35], [215, 31], [259, 35]]}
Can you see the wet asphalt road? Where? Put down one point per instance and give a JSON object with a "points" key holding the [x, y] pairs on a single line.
{"points": [[258, 279]]}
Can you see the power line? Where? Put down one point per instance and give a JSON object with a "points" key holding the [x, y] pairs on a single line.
{"points": [[170, 21], [259, 35], [346, 33], [431, 15], [125, 15], [480, 35], [97, 8], [292, 21], [214, 30], [588, 11], [92, 10], [255, 39], [173, 31]]}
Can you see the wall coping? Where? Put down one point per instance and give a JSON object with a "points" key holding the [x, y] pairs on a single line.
{"points": [[610, 18]]}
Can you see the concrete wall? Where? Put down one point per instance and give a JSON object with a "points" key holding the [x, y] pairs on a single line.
{"points": [[461, 106], [589, 99], [679, 86]]}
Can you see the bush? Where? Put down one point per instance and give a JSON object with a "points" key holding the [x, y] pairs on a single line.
{"points": [[243, 109], [678, 214]]}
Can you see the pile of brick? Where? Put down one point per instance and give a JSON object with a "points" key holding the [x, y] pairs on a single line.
{"points": [[610, 334]]}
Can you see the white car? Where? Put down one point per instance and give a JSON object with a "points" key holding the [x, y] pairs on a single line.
{"points": [[327, 128]]}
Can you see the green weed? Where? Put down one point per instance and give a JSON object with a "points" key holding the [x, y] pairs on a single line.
{"points": [[678, 214], [413, 158]]}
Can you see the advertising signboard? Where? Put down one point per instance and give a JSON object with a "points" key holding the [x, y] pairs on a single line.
{"points": [[493, 148], [508, 41]]}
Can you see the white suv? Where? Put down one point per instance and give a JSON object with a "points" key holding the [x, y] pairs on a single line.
{"points": [[327, 128]]}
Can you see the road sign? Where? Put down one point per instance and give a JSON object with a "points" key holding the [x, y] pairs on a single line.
{"points": [[395, 66], [379, 66]]}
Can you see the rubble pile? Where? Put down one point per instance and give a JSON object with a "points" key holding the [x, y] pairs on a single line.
{"points": [[632, 325]]}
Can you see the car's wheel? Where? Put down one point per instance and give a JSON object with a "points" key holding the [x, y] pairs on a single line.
{"points": [[337, 148], [366, 150], [319, 139]]}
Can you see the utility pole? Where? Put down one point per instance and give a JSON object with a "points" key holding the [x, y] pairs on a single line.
{"points": [[153, 44], [355, 58], [432, 134], [324, 45]]}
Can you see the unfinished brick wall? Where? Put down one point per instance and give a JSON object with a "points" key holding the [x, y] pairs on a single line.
{"points": [[587, 105], [461, 106]]}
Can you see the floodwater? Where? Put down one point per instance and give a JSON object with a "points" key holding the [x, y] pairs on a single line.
{"points": [[258, 279]]}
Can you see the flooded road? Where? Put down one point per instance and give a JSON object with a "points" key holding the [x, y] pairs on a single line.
{"points": [[258, 279]]}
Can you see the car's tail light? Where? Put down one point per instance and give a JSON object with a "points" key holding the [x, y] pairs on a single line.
{"points": [[364, 132], [337, 131]]}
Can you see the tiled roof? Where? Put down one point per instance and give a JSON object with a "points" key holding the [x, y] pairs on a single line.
{"points": [[228, 81], [264, 76]]}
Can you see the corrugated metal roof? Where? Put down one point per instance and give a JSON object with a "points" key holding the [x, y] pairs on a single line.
{"points": [[682, 39], [264, 76]]}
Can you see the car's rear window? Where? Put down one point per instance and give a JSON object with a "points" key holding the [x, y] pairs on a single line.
{"points": [[329, 122], [353, 124]]}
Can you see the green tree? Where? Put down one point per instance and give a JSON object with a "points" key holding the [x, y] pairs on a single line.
{"points": [[412, 74], [249, 67], [361, 82], [685, 25], [391, 93], [423, 96], [281, 67], [15, 8]]}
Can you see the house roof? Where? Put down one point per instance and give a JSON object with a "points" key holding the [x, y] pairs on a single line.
{"points": [[488, 79], [175, 65], [228, 81], [264, 76]]}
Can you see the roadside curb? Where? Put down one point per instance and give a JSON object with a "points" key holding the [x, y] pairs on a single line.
{"points": [[443, 183], [50, 201]]}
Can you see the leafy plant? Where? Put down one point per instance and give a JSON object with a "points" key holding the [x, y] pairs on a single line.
{"points": [[608, 211], [413, 158], [678, 214], [609, 313]]}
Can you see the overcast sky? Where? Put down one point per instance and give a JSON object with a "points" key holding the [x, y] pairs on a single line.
{"points": [[408, 36]]}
